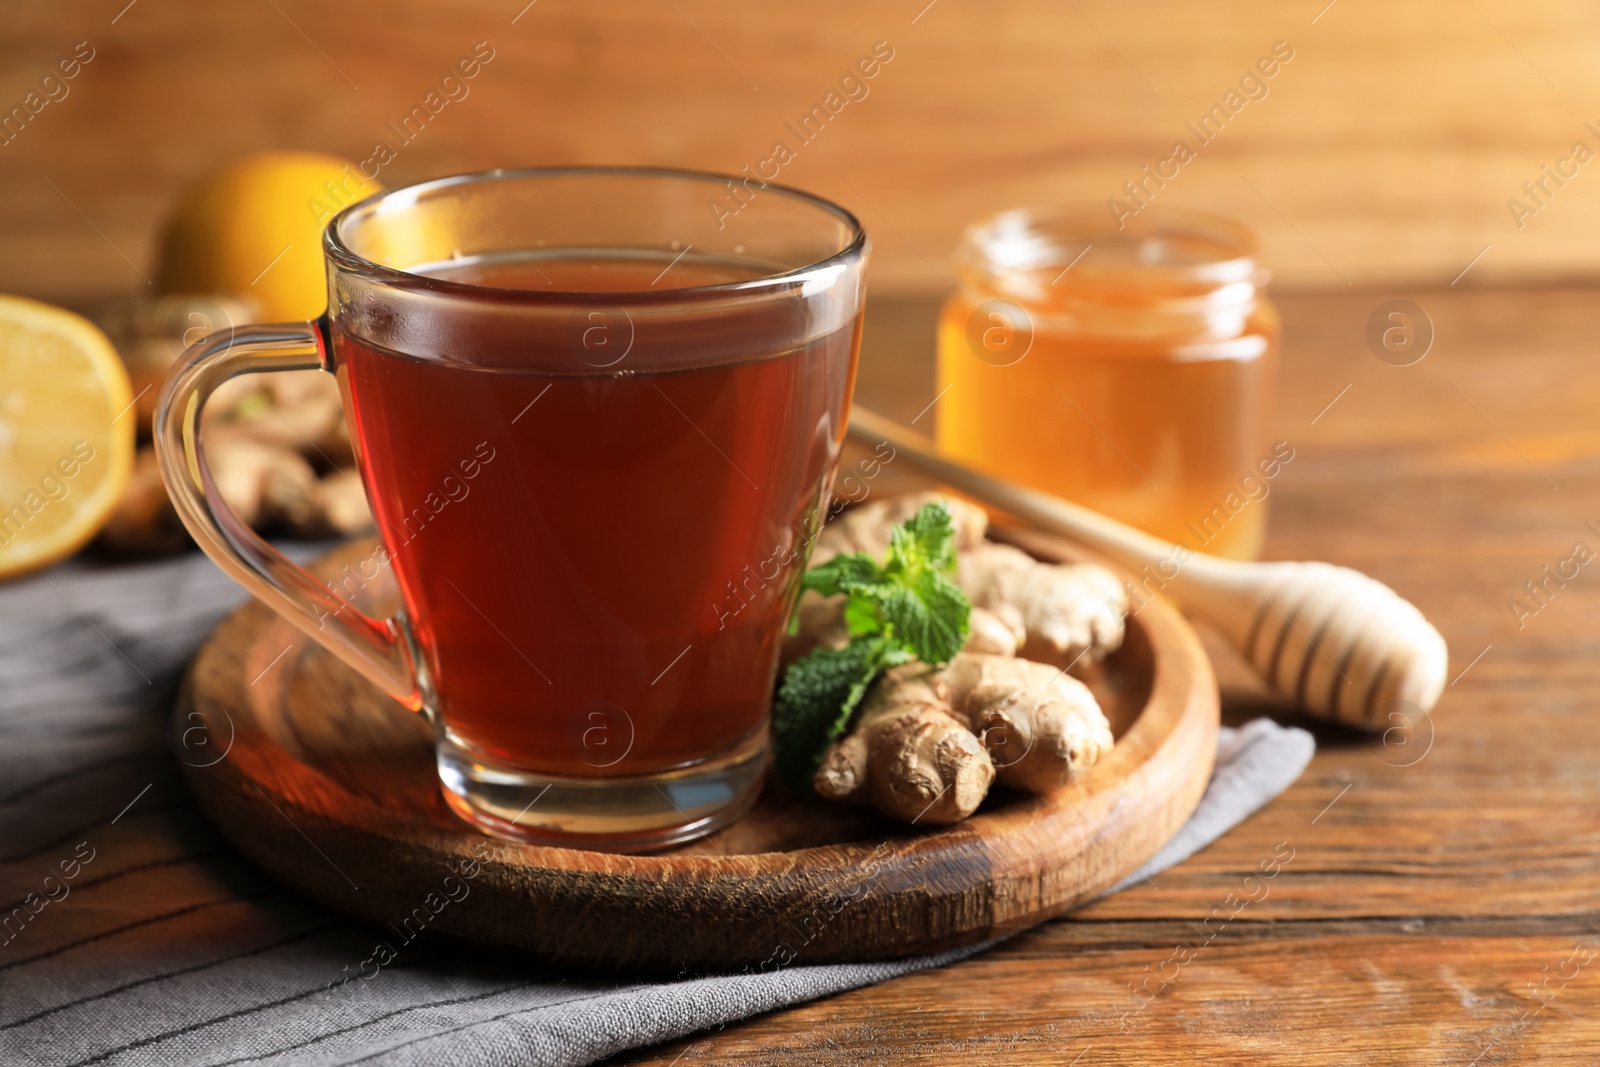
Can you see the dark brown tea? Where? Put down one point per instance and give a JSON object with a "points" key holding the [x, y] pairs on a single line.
{"points": [[598, 537]]}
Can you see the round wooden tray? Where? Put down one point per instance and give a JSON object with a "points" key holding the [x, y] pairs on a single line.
{"points": [[329, 786]]}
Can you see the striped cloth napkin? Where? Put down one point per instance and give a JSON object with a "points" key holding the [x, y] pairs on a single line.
{"points": [[130, 933]]}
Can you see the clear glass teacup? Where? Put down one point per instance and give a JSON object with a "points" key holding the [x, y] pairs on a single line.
{"points": [[597, 414]]}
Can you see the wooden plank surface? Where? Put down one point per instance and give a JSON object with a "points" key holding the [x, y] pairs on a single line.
{"points": [[1291, 994], [1443, 902], [1387, 148]]}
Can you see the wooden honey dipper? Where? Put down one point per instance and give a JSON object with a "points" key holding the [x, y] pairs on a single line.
{"points": [[1330, 639]]}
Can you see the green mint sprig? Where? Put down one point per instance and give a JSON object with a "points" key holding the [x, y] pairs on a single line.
{"points": [[905, 607]]}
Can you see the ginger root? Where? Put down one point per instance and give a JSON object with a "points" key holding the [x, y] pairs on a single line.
{"points": [[277, 444], [151, 333], [1061, 610], [1041, 726], [866, 528], [1053, 611], [144, 522], [262, 483], [909, 756], [928, 743]]}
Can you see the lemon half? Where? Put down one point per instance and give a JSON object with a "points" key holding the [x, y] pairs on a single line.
{"points": [[66, 433]]}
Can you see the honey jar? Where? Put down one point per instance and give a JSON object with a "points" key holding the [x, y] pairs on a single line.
{"points": [[1128, 368]]}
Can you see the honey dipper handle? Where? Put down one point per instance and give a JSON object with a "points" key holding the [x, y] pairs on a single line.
{"points": [[1329, 639]]}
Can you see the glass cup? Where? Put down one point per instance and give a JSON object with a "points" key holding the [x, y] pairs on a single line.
{"points": [[597, 412]]}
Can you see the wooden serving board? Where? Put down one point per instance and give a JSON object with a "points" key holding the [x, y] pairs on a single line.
{"points": [[330, 787]]}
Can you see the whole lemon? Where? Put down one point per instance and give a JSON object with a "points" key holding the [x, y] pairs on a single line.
{"points": [[254, 229]]}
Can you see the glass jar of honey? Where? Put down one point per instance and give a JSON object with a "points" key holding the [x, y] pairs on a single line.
{"points": [[1129, 369]]}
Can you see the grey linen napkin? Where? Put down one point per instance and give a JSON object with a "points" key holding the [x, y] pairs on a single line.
{"points": [[131, 934]]}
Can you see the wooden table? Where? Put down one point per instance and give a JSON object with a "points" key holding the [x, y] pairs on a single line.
{"points": [[1441, 906]]}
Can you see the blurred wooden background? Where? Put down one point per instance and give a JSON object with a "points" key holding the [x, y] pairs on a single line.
{"points": [[1384, 153]]}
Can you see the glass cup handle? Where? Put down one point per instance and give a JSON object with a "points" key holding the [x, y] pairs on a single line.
{"points": [[378, 649]]}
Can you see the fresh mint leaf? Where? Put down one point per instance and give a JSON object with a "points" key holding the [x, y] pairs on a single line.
{"points": [[910, 596], [841, 573], [930, 619], [820, 693], [861, 612], [926, 540]]}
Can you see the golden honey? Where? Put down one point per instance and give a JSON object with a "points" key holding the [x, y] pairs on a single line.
{"points": [[1127, 369]]}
